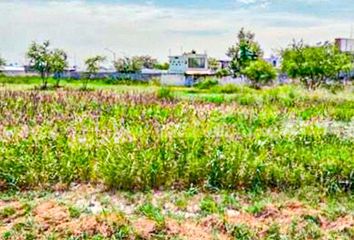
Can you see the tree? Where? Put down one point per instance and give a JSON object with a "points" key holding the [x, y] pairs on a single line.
{"points": [[58, 64], [223, 73], [46, 61], [213, 64], [92, 68], [162, 66], [260, 72], [40, 57], [243, 52], [314, 65], [145, 61], [128, 65]]}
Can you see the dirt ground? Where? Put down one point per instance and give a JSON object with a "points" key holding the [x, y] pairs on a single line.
{"points": [[91, 212]]}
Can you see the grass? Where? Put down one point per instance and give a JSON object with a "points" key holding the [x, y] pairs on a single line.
{"points": [[276, 138]]}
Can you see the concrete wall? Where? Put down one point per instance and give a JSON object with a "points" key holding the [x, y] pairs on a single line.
{"points": [[173, 80]]}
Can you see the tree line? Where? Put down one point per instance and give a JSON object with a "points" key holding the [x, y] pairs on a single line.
{"points": [[312, 65], [53, 62]]}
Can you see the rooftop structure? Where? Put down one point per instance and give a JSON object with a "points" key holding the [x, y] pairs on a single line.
{"points": [[345, 44]]}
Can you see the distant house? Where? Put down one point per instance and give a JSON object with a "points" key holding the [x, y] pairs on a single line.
{"points": [[224, 63], [189, 64], [13, 70], [185, 69], [345, 44], [274, 60]]}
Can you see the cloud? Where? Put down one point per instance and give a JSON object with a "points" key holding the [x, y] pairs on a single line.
{"points": [[85, 28]]}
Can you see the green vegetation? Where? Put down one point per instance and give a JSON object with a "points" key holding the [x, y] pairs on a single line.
{"points": [[207, 83], [245, 51], [314, 65], [260, 73], [46, 61], [283, 138], [92, 68]]}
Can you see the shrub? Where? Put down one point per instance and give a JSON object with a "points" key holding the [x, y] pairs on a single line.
{"points": [[152, 212], [207, 83], [228, 89], [165, 93], [208, 206], [260, 73], [241, 232]]}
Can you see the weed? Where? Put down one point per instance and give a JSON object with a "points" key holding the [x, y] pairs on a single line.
{"points": [[208, 206], [165, 93], [74, 212], [153, 213], [7, 212], [240, 232]]}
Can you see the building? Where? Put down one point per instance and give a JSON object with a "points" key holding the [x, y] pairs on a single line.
{"points": [[345, 44], [189, 63], [186, 69], [224, 63], [13, 70], [274, 60]]}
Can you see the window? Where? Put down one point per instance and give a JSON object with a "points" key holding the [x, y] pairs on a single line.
{"points": [[196, 62]]}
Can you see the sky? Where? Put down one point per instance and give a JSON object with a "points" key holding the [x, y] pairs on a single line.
{"points": [[158, 28]]}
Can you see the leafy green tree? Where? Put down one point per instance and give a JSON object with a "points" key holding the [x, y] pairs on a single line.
{"points": [[213, 64], [58, 64], [223, 73], [128, 65], [260, 72], [162, 66], [40, 58], [46, 61], [245, 50], [92, 68], [314, 65]]}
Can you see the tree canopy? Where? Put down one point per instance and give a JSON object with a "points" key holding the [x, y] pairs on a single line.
{"points": [[314, 65], [58, 63], [92, 68], [245, 50], [128, 65], [45, 60], [213, 64], [260, 72], [93, 65]]}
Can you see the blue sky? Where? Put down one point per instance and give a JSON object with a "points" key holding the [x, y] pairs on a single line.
{"points": [[157, 27]]}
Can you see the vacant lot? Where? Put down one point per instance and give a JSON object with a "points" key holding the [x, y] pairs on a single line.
{"points": [[205, 158]]}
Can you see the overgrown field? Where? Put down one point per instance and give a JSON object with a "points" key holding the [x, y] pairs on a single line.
{"points": [[281, 138]]}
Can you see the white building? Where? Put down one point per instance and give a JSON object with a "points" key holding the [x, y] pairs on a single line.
{"points": [[13, 70], [345, 44], [189, 64], [186, 69]]}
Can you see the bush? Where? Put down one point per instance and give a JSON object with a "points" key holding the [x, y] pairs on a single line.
{"points": [[223, 73], [334, 88], [207, 83], [227, 89], [165, 93]]}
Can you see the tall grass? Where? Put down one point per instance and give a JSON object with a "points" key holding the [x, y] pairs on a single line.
{"points": [[143, 141]]}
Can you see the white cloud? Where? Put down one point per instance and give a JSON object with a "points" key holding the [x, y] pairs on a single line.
{"points": [[84, 29]]}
